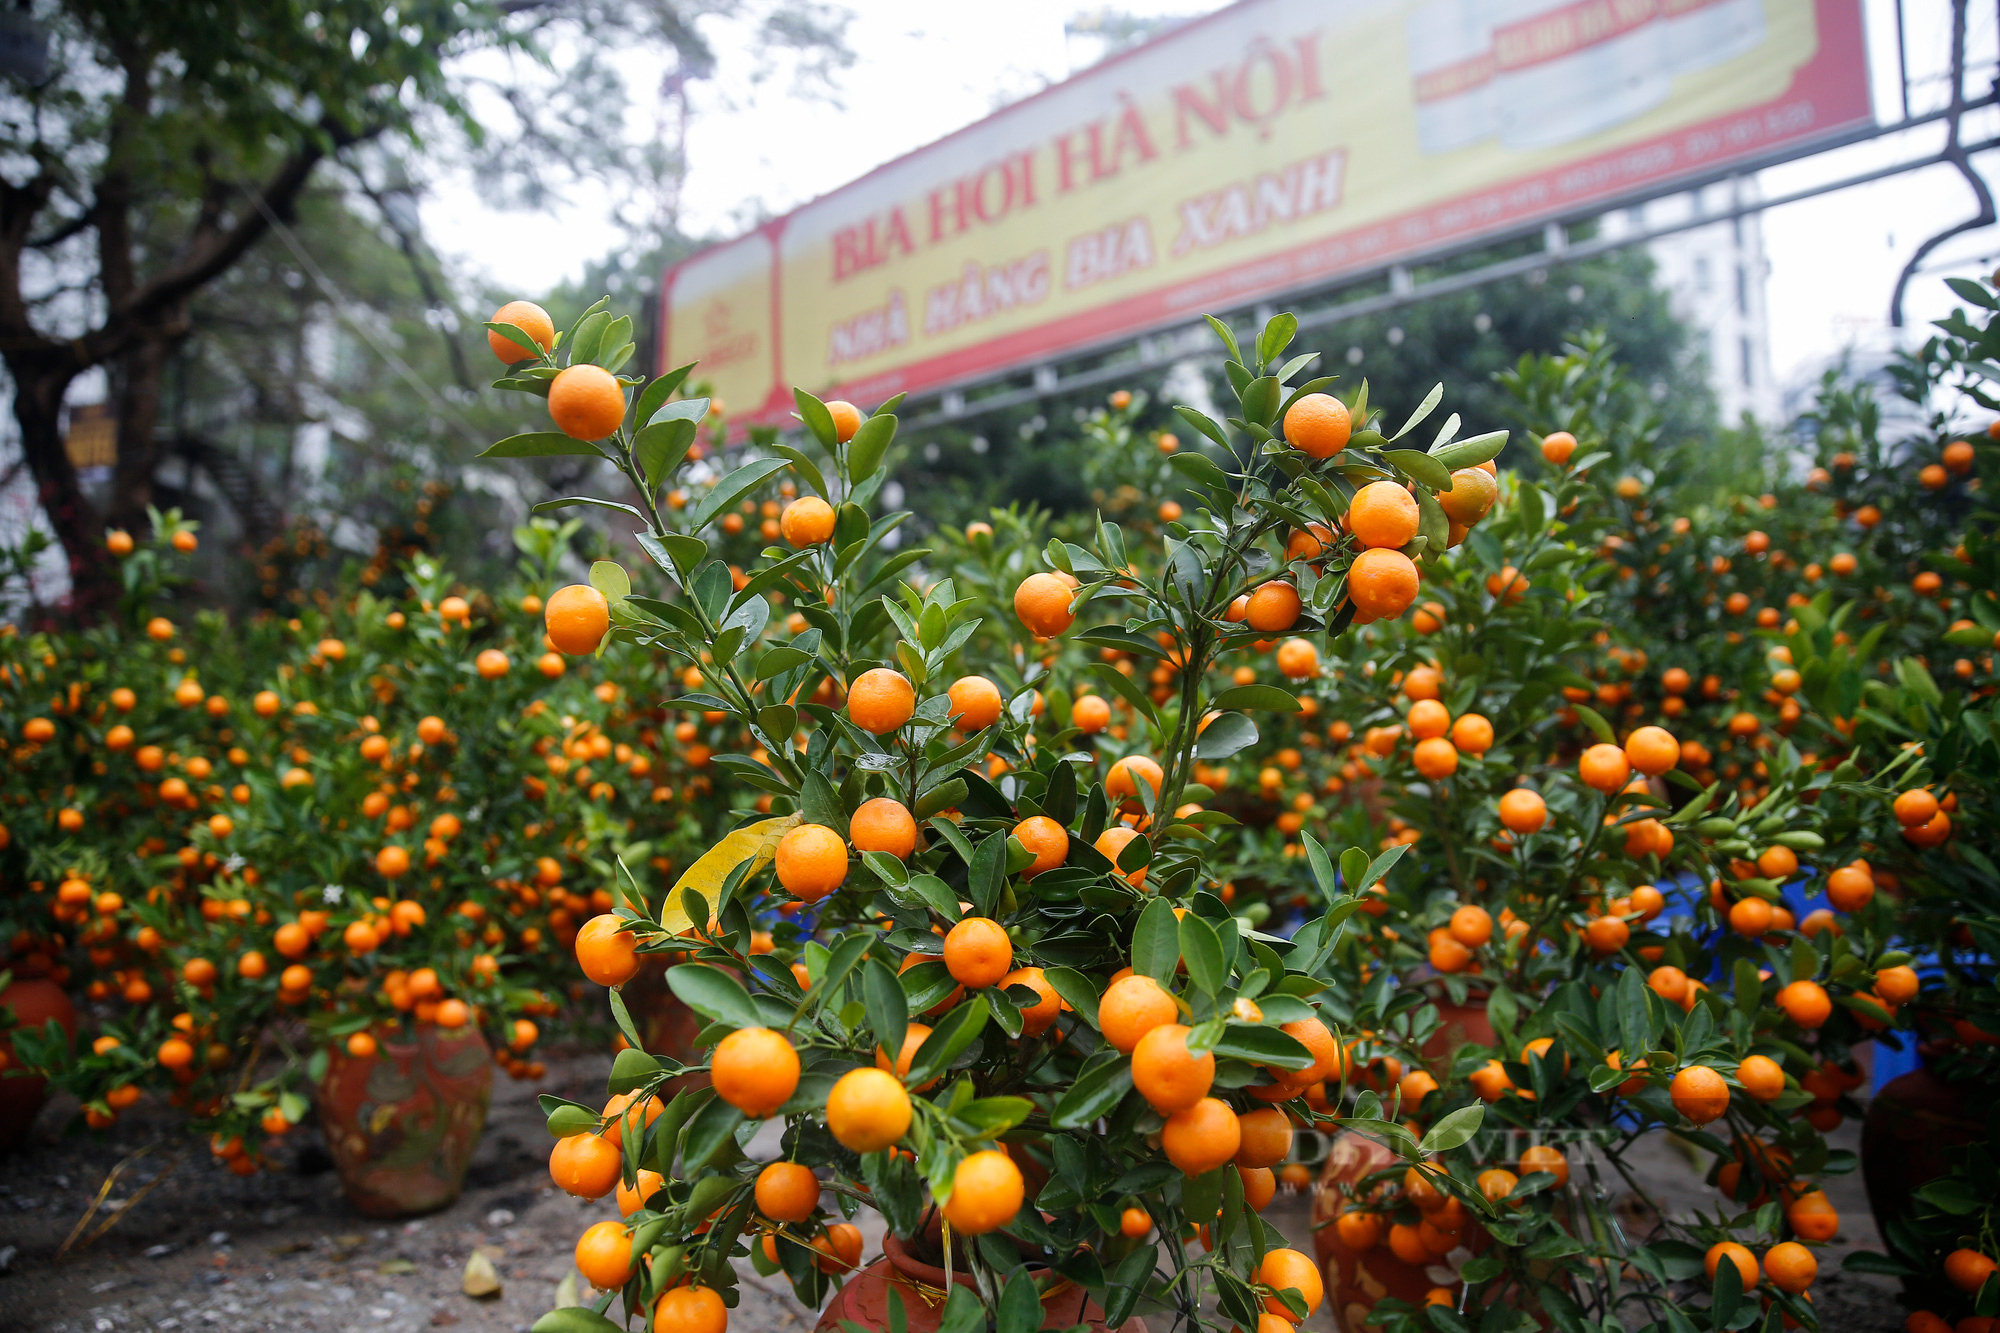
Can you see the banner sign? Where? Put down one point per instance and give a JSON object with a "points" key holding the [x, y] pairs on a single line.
{"points": [[1271, 146]]}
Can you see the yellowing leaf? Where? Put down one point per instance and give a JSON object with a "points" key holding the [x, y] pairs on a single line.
{"points": [[757, 843]]}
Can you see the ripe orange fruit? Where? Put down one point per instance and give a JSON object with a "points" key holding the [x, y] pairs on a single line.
{"points": [[811, 862], [1471, 926], [1090, 714], [975, 703], [1202, 1136], [807, 521], [1112, 842], [1318, 425], [1523, 811], [1134, 1223], [787, 1192], [607, 956], [1967, 1269], [755, 1070], [1542, 1157], [1428, 718], [1273, 607], [1382, 513], [585, 1165], [1699, 1093], [1265, 1137], [1035, 1019], [1122, 783], [1746, 1262], [1359, 1231], [361, 1045], [577, 618], [586, 402], [1557, 446], [1435, 758], [1790, 1266], [1297, 659], [1806, 1003], [530, 319], [603, 1252], [690, 1310], [1288, 1270], [1897, 985], [913, 1041], [846, 419], [1042, 603], [1812, 1216], [842, 1247], [978, 953], [1382, 582], [1850, 888], [881, 701], [1047, 839], [1604, 767], [1750, 917], [1652, 750], [645, 1186], [1763, 1078], [1166, 1074], [986, 1193], [867, 1110], [1473, 491], [1329, 1060], [1132, 1006], [883, 824], [1915, 808], [1506, 585]]}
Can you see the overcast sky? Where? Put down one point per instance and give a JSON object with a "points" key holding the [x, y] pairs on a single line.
{"points": [[924, 69]]}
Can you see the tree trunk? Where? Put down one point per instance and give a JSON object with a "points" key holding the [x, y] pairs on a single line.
{"points": [[136, 383], [39, 385]]}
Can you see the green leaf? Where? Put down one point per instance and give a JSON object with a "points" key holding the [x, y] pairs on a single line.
{"points": [[1076, 991], [1424, 468], [1227, 734], [659, 448], [946, 1042], [1454, 1131], [574, 1319], [542, 444], [632, 1069], [734, 487], [1156, 945], [708, 1129], [1203, 424], [610, 578], [1200, 469], [1471, 452], [865, 450], [714, 994], [1202, 948], [888, 1008], [818, 420], [1122, 685], [1268, 697], [1595, 721], [655, 394], [1261, 1043], [1099, 1086]]}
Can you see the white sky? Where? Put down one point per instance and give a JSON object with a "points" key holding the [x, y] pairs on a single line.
{"points": [[926, 68]]}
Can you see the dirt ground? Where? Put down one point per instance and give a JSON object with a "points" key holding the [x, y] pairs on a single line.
{"points": [[206, 1249]]}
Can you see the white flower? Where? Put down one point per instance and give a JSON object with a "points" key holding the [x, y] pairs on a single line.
{"points": [[234, 863], [332, 893]]}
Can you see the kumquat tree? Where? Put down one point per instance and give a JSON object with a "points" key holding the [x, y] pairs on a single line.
{"points": [[937, 851]]}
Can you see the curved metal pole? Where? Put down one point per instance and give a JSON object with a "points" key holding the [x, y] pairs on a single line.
{"points": [[1954, 153]]}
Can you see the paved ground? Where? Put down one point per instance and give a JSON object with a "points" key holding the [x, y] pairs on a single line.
{"points": [[210, 1250]]}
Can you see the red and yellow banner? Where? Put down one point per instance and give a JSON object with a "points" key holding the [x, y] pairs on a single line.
{"points": [[1273, 145]]}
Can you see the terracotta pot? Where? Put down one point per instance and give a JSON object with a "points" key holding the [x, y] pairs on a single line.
{"points": [[1458, 1025], [1915, 1129], [402, 1124], [1356, 1281], [32, 1002], [864, 1297]]}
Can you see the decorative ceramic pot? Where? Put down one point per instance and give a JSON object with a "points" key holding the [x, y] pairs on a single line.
{"points": [[1355, 1281], [402, 1124], [32, 1002], [1914, 1133], [1458, 1025], [864, 1297]]}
